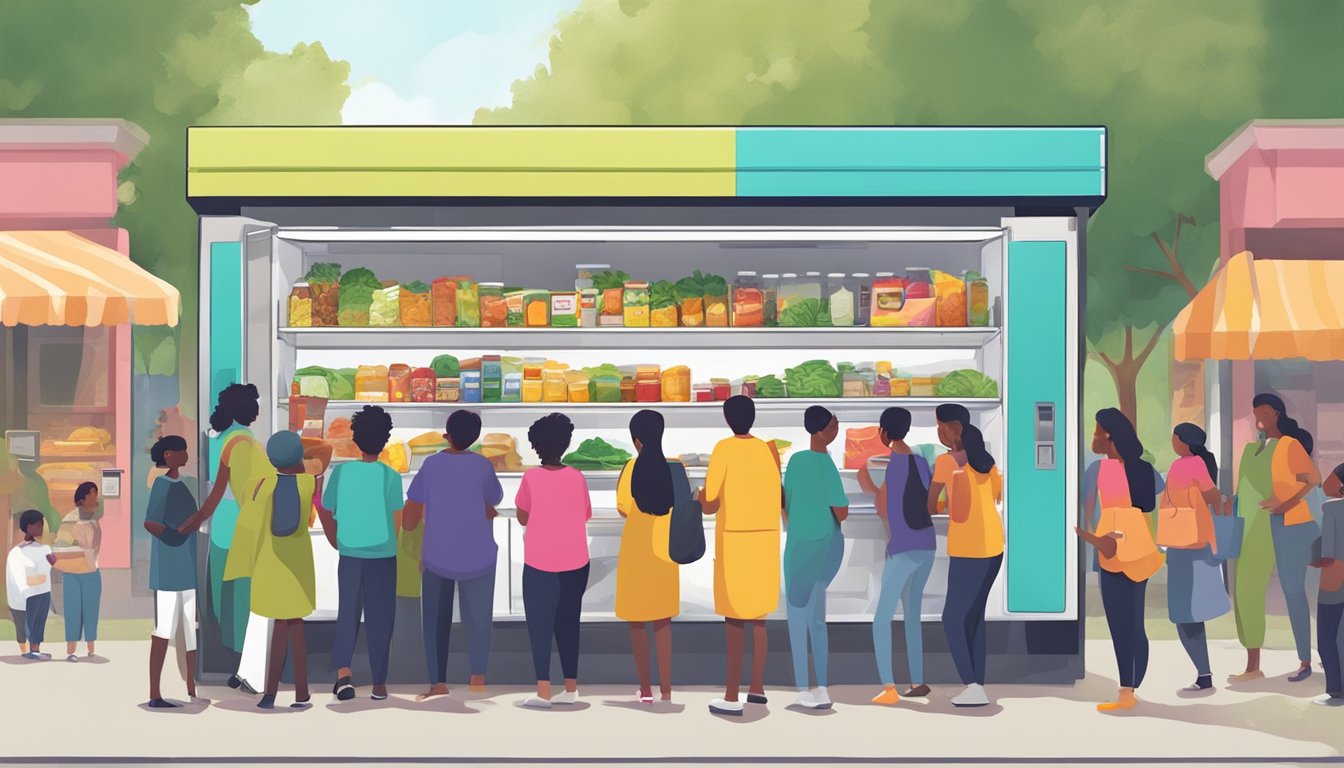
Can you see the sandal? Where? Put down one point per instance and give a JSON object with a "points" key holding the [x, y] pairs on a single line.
{"points": [[344, 689]]}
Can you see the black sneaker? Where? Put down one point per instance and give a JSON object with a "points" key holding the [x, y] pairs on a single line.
{"points": [[239, 684], [757, 698]]}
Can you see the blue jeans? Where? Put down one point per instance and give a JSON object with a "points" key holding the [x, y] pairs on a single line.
{"points": [[83, 594], [552, 604], [1328, 619], [369, 587], [969, 580], [903, 578], [436, 601], [805, 593], [1292, 549], [35, 612]]}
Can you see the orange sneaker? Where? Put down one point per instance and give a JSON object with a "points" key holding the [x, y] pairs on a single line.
{"points": [[1126, 700], [887, 697]]}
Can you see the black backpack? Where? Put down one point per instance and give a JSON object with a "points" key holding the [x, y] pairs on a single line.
{"points": [[915, 499], [686, 535]]}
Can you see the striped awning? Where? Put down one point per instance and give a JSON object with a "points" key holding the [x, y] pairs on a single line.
{"points": [[60, 278], [1265, 309]]}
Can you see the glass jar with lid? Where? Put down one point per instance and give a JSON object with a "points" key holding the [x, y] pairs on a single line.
{"points": [[840, 300], [788, 294], [748, 301], [977, 300], [584, 274], [809, 287]]}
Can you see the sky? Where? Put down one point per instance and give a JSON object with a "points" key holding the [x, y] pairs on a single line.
{"points": [[418, 61]]}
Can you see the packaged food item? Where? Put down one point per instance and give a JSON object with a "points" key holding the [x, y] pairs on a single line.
{"points": [[324, 285], [748, 301], [564, 309], [691, 296], [722, 388], [300, 306], [424, 384], [578, 390], [862, 444], [385, 310], [950, 294], [531, 389], [397, 456], [426, 443], [554, 387], [853, 385], [443, 302], [356, 296], [977, 300], [494, 309], [492, 379], [468, 303], [882, 383], [676, 384], [513, 309], [471, 386], [716, 302], [307, 415], [922, 386], [470, 364], [513, 388], [770, 300], [702, 393], [585, 274], [415, 301], [605, 388], [648, 385], [636, 304], [746, 387], [537, 308], [611, 307], [371, 384], [663, 304], [448, 390], [399, 383], [900, 386], [888, 296], [862, 284], [840, 299], [628, 388], [588, 299]]}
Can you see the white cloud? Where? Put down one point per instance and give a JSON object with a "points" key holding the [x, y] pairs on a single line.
{"points": [[471, 71], [375, 103]]}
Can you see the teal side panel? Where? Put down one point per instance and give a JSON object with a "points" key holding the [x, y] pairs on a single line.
{"points": [[921, 183], [226, 327], [1036, 503]]}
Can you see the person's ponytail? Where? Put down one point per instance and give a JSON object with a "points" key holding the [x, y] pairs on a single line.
{"points": [[1195, 439], [972, 439]]}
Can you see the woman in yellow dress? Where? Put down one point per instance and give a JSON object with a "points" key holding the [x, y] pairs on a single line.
{"points": [[743, 488], [648, 582]]}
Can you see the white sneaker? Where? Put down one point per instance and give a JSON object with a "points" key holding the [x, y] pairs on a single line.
{"points": [[805, 700], [536, 702], [973, 696], [566, 697], [1328, 701], [822, 698], [724, 707]]}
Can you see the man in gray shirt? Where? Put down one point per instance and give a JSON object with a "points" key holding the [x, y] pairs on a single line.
{"points": [[1328, 555]]}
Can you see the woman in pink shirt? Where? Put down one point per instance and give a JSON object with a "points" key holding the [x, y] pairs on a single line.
{"points": [[554, 507]]}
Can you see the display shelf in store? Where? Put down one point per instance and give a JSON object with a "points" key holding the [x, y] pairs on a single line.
{"points": [[637, 338], [840, 406]]}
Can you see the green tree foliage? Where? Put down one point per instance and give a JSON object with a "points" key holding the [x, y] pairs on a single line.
{"points": [[1170, 80], [164, 65]]}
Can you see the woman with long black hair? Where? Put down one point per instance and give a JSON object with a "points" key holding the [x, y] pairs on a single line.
{"points": [[974, 543], [1127, 553], [1273, 481], [648, 582]]}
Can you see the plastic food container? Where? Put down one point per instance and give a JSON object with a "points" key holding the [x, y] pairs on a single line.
{"points": [[900, 386], [977, 300], [492, 379], [443, 302], [578, 390], [537, 309], [399, 383], [628, 388], [853, 385], [950, 294], [677, 384], [423, 385], [494, 308], [513, 388], [300, 306], [468, 303], [702, 393], [584, 273], [513, 309], [840, 299], [605, 389], [882, 382], [471, 386], [588, 308], [922, 386], [531, 387], [888, 297], [770, 299], [564, 309], [554, 388], [448, 390], [748, 301], [635, 301], [723, 389]]}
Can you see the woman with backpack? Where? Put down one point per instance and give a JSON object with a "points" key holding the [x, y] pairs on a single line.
{"points": [[911, 543], [648, 581]]}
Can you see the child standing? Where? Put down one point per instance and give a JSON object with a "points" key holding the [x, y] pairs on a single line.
{"points": [[172, 564], [28, 573]]}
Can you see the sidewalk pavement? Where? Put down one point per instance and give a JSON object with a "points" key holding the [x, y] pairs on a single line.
{"points": [[99, 704]]}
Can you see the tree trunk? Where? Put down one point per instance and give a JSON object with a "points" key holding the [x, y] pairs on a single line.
{"points": [[1126, 377]]}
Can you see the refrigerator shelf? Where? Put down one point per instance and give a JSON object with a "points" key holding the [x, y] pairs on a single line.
{"points": [[637, 338], [843, 408]]}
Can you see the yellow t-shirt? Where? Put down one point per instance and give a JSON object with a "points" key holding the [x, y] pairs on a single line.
{"points": [[744, 475], [981, 534], [1290, 460]]}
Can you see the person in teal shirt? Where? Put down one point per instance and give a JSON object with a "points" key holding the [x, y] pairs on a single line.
{"points": [[358, 509], [814, 506]]}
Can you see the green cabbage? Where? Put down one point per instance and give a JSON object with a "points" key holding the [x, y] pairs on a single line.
{"points": [[967, 382], [769, 386], [322, 273], [609, 280], [356, 295], [808, 313], [662, 294], [340, 381], [597, 454], [814, 378]]}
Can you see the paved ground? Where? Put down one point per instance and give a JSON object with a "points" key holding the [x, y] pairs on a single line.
{"points": [[1268, 723]]}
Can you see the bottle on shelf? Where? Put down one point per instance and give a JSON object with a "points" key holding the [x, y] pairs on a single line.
{"points": [[840, 300], [863, 289], [770, 299]]}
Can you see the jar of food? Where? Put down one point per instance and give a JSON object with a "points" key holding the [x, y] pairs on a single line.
{"points": [[564, 309], [840, 300], [537, 308], [471, 386], [863, 290], [787, 294], [424, 385], [300, 306], [748, 301], [747, 388], [584, 274], [702, 393], [399, 383], [868, 372], [628, 388], [888, 298], [636, 304], [677, 384], [723, 389], [588, 308], [648, 389], [513, 308], [950, 294], [882, 382], [809, 287], [770, 299], [494, 310], [977, 300], [448, 390]]}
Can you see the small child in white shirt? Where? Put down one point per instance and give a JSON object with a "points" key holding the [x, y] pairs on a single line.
{"points": [[28, 583]]}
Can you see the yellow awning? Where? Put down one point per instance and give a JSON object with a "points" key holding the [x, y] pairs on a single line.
{"points": [[1264, 309], [60, 278]]}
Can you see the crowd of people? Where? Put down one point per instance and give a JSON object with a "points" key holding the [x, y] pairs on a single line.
{"points": [[265, 496]]}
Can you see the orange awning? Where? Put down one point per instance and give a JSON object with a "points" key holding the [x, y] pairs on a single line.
{"points": [[1263, 309], [60, 278]]}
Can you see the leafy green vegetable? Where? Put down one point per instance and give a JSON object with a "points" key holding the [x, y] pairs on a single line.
{"points": [[609, 280], [415, 286], [596, 453], [808, 313], [605, 369], [445, 367], [967, 382], [769, 386], [356, 294], [781, 445], [814, 378], [692, 287], [340, 382], [662, 294], [715, 285], [324, 272]]}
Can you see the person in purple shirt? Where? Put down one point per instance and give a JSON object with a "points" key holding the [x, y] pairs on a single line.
{"points": [[456, 492], [902, 503]]}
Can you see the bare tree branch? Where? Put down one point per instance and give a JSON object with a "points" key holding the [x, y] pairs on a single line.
{"points": [[1129, 344], [1152, 344]]}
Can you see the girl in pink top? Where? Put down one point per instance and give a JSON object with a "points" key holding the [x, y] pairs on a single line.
{"points": [[554, 507]]}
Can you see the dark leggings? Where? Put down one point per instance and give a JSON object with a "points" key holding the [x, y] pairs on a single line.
{"points": [[1328, 641], [369, 588], [552, 603], [1196, 641], [969, 580], [1122, 598]]}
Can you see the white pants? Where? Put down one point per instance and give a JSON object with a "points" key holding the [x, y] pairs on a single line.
{"points": [[256, 650], [170, 608]]}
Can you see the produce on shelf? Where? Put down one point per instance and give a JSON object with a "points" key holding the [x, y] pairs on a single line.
{"points": [[691, 293], [468, 302], [443, 302], [950, 292], [597, 454], [514, 302], [663, 304], [770, 386], [636, 304], [445, 366], [862, 444], [324, 281], [424, 385], [300, 306], [356, 295], [416, 305], [716, 301], [340, 381], [385, 309], [493, 306], [311, 385], [748, 301], [537, 309], [806, 313], [814, 378], [611, 309], [965, 383]]}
